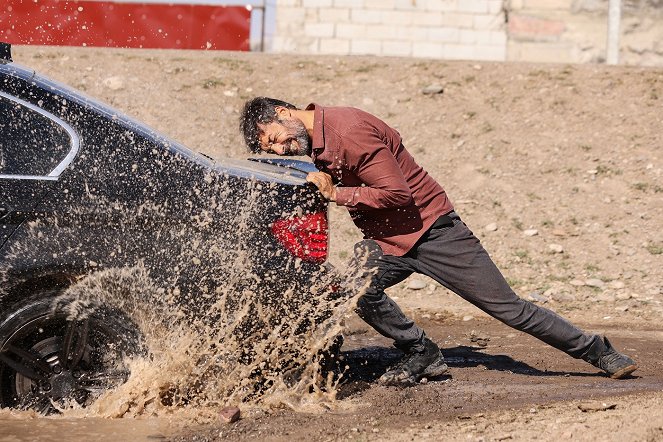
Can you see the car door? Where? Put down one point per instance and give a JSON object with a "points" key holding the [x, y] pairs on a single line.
{"points": [[35, 149]]}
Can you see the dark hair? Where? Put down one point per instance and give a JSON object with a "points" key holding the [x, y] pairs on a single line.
{"points": [[259, 110]]}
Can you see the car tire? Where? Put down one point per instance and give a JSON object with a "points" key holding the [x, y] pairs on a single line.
{"points": [[49, 362]]}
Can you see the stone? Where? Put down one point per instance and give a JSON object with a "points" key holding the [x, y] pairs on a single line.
{"points": [[617, 285], [468, 318], [558, 232], [623, 296], [606, 297], [479, 338], [416, 284], [564, 297], [536, 297], [596, 406], [432, 89], [530, 232], [229, 414], [577, 283], [595, 282], [114, 83], [490, 227], [556, 248]]}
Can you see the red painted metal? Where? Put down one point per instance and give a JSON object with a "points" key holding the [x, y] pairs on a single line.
{"points": [[128, 25]]}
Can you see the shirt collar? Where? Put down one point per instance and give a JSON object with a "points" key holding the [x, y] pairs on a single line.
{"points": [[318, 138]]}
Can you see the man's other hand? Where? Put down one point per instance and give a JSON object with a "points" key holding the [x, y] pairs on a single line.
{"points": [[324, 183]]}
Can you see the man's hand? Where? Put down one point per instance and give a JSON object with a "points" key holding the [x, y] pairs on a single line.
{"points": [[324, 184]]}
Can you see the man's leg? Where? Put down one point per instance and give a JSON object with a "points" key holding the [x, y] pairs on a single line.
{"points": [[374, 306], [454, 257], [422, 356]]}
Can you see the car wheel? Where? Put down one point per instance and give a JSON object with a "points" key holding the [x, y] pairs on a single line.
{"points": [[49, 362]]}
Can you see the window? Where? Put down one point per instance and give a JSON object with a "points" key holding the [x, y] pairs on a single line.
{"points": [[33, 143]]}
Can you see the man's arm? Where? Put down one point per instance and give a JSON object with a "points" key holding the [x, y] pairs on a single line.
{"points": [[369, 158]]}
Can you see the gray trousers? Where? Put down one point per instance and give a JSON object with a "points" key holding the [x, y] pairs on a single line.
{"points": [[451, 255]]}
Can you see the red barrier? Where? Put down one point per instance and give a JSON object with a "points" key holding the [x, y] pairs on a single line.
{"points": [[128, 25]]}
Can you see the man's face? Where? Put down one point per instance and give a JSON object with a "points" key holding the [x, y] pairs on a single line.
{"points": [[287, 136]]}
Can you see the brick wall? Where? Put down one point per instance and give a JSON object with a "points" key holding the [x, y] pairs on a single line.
{"points": [[449, 29], [566, 31]]}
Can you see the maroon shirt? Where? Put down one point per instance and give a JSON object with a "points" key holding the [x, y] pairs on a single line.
{"points": [[392, 199]]}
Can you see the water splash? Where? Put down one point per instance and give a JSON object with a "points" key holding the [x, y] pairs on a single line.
{"points": [[215, 330]]}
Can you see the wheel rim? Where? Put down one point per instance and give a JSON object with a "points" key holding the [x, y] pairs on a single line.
{"points": [[50, 363]]}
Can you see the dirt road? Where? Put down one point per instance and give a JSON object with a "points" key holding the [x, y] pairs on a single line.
{"points": [[513, 388], [557, 168]]}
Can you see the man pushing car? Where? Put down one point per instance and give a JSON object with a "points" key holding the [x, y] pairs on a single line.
{"points": [[409, 225]]}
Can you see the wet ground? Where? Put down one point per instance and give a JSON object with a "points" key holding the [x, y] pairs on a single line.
{"points": [[493, 369], [512, 372]]}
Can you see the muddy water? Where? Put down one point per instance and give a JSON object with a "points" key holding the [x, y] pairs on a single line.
{"points": [[223, 340], [17, 427]]}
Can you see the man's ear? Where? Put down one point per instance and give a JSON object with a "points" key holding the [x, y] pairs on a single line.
{"points": [[282, 111]]}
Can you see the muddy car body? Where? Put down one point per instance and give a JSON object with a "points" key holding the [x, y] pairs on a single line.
{"points": [[84, 189]]}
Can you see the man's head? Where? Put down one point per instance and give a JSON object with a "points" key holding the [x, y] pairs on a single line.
{"points": [[268, 125]]}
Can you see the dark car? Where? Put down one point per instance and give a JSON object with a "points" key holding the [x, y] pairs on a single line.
{"points": [[99, 213]]}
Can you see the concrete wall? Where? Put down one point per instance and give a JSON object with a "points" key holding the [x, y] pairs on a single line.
{"points": [[449, 29], [575, 31], [566, 31]]}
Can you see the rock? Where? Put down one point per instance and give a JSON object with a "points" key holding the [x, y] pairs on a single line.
{"points": [[559, 232], [595, 282], [416, 284], [577, 283], [556, 248], [622, 308], [617, 285], [432, 89], [114, 83], [478, 338], [596, 406], [606, 297], [564, 297], [654, 291], [468, 318], [491, 227], [229, 414], [530, 232], [536, 297], [623, 296]]}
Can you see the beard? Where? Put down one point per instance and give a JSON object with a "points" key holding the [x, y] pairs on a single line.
{"points": [[298, 133]]}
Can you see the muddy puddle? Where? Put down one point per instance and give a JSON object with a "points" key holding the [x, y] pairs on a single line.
{"points": [[511, 371], [17, 427]]}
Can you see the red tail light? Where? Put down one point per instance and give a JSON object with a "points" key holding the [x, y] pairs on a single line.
{"points": [[305, 237]]}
